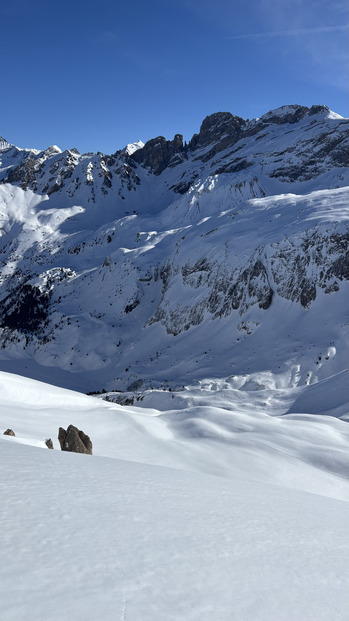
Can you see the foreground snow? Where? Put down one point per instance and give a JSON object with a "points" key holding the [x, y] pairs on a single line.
{"points": [[101, 538], [113, 537]]}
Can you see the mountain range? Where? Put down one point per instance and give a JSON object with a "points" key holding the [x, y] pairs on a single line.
{"points": [[169, 261]]}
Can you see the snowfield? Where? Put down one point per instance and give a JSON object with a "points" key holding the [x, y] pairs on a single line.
{"points": [[225, 507]]}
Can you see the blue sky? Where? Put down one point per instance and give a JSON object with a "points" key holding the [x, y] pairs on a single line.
{"points": [[96, 75]]}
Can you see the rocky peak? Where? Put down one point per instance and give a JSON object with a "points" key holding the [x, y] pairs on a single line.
{"points": [[221, 130], [132, 147], [319, 109], [286, 114], [217, 127], [158, 152], [4, 144], [52, 150], [292, 114]]}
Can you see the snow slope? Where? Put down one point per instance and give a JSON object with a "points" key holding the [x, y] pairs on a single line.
{"points": [[209, 285], [115, 537]]}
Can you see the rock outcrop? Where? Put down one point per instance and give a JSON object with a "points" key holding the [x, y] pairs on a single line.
{"points": [[219, 130], [25, 308], [158, 153], [74, 440]]}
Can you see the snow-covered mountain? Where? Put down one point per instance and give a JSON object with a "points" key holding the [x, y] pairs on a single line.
{"points": [[208, 284], [225, 256]]}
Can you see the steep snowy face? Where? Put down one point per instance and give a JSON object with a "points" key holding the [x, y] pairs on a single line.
{"points": [[133, 146], [4, 145], [168, 259]]}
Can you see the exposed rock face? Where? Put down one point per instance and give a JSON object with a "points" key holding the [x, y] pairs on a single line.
{"points": [[24, 174], [74, 440], [9, 432], [215, 126], [24, 309], [49, 443], [158, 153], [221, 130], [290, 270], [289, 114]]}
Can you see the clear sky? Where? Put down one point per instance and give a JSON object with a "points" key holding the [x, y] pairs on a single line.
{"points": [[96, 75]]}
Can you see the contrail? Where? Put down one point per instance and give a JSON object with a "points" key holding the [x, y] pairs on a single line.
{"points": [[291, 33]]}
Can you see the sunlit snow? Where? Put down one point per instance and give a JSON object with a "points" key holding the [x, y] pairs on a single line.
{"points": [[217, 508]]}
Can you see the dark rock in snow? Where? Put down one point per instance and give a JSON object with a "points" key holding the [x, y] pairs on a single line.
{"points": [[24, 309], [74, 440], [49, 443], [287, 114], [9, 432], [221, 130], [23, 174], [158, 152]]}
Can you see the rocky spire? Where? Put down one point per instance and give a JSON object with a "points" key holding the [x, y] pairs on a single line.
{"points": [[221, 130], [158, 152]]}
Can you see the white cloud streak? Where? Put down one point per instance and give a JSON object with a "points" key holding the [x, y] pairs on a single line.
{"points": [[291, 33]]}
